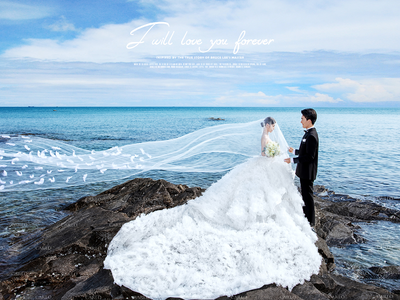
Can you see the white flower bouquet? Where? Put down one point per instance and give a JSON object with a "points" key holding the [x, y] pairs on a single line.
{"points": [[272, 149]]}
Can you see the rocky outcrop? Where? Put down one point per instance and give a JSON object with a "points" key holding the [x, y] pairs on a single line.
{"points": [[339, 287], [335, 220], [68, 256], [66, 259], [363, 211], [388, 272]]}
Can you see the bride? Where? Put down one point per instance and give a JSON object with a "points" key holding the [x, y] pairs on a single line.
{"points": [[245, 231]]}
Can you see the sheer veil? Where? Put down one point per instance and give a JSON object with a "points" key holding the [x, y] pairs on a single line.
{"points": [[277, 136], [30, 163]]}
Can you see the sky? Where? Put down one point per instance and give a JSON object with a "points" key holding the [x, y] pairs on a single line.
{"points": [[246, 53]]}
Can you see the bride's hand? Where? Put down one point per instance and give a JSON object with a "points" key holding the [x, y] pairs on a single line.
{"points": [[287, 160]]}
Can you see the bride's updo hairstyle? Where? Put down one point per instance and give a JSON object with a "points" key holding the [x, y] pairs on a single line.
{"points": [[268, 120]]}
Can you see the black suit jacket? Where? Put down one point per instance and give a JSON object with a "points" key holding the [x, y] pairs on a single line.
{"points": [[307, 160]]}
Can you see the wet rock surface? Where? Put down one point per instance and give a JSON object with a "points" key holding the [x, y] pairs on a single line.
{"points": [[388, 272], [65, 261], [336, 220]]}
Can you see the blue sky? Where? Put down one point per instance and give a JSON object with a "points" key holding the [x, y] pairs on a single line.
{"points": [[315, 53]]}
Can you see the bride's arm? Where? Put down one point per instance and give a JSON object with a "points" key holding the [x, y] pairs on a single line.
{"points": [[262, 145], [264, 142]]}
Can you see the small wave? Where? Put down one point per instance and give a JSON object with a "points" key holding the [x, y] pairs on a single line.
{"points": [[57, 138], [28, 134], [109, 139], [388, 198], [6, 137]]}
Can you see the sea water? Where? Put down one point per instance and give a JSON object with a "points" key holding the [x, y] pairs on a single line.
{"points": [[359, 153]]}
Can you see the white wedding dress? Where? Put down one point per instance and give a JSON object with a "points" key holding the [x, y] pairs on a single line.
{"points": [[245, 231]]}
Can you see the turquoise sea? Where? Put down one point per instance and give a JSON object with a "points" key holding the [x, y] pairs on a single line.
{"points": [[359, 156]]}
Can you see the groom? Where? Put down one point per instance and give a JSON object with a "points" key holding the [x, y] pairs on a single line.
{"points": [[307, 161]]}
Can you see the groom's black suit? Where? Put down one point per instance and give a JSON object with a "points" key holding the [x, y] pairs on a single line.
{"points": [[307, 164]]}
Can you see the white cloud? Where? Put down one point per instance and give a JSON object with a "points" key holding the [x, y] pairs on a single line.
{"points": [[16, 11], [366, 91], [294, 89], [341, 86], [88, 84], [323, 98], [62, 25], [245, 99], [260, 98], [104, 44], [309, 97], [295, 26]]}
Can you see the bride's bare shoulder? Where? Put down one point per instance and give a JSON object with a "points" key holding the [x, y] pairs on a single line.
{"points": [[265, 139]]}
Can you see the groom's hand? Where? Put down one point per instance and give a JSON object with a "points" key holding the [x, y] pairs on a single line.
{"points": [[291, 149], [287, 160]]}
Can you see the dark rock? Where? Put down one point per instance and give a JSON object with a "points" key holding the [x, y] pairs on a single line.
{"points": [[142, 195], [318, 189], [352, 209], [65, 260], [308, 291], [350, 289], [367, 273], [101, 286], [267, 292], [216, 119], [321, 191], [335, 230], [328, 263], [364, 211], [68, 257], [339, 287], [388, 272], [324, 283], [101, 283]]}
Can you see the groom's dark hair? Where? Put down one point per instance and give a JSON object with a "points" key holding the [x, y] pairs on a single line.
{"points": [[310, 114]]}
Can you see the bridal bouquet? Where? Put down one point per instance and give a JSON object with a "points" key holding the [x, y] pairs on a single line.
{"points": [[272, 149]]}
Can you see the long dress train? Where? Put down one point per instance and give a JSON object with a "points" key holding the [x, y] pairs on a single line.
{"points": [[245, 231]]}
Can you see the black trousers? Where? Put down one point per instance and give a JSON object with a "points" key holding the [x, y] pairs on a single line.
{"points": [[307, 189]]}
